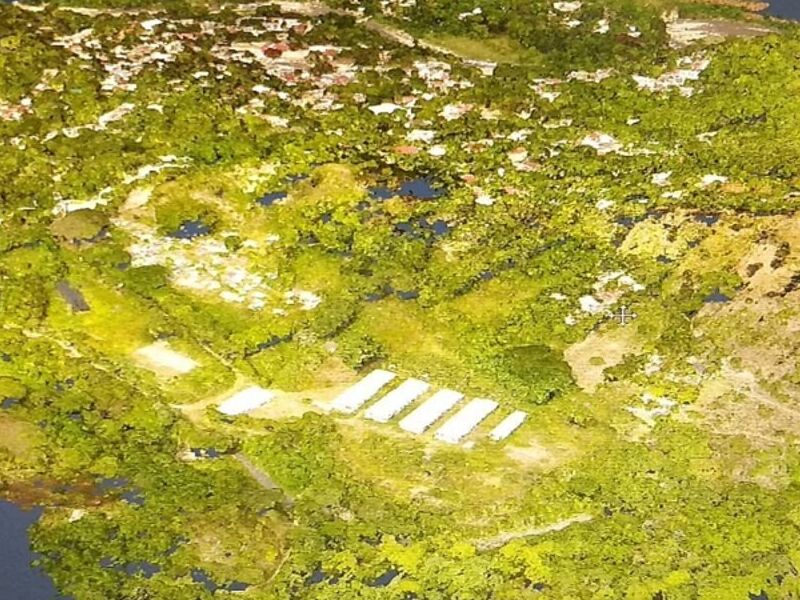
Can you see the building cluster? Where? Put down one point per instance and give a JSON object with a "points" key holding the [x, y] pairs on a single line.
{"points": [[432, 408]]}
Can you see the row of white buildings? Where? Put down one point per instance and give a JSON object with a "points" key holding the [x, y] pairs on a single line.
{"points": [[428, 411]]}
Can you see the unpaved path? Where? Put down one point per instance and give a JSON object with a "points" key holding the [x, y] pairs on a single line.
{"points": [[508, 536], [263, 479]]}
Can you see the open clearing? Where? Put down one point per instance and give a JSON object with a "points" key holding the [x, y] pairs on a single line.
{"points": [[160, 358]]}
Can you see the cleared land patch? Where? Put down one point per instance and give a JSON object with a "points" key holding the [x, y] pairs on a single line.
{"points": [[162, 359]]}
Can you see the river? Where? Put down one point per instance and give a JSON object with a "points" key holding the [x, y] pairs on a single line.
{"points": [[18, 579], [785, 9]]}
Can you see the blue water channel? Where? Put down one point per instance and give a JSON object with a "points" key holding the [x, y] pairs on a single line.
{"points": [[784, 9], [19, 580]]}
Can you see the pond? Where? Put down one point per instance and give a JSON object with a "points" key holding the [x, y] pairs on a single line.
{"points": [[121, 486], [385, 579], [709, 219], [8, 403], [784, 9], [272, 197], [716, 297], [422, 189], [200, 576], [205, 452], [190, 230], [408, 294], [140, 567], [18, 579]]}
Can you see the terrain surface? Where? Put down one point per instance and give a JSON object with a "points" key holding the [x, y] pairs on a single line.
{"points": [[585, 211]]}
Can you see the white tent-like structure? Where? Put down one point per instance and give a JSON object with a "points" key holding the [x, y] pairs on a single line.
{"points": [[427, 413], [357, 395], [508, 425], [396, 400], [246, 400], [465, 420], [161, 358]]}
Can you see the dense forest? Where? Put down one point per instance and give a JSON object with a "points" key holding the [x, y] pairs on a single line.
{"points": [[291, 195]]}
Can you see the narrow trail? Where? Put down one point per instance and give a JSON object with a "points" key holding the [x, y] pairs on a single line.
{"points": [[263, 479], [509, 536]]}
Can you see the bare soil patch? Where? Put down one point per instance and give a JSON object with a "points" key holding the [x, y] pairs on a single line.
{"points": [[600, 350]]}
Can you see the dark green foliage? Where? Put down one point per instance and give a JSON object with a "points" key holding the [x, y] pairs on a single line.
{"points": [[539, 372]]}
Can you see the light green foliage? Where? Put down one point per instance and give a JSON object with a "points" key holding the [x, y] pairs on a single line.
{"points": [[80, 225], [486, 297]]}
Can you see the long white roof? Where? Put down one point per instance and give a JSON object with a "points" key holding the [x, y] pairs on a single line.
{"points": [[357, 395], [160, 356], [396, 400], [246, 400], [465, 420], [427, 413], [508, 425]]}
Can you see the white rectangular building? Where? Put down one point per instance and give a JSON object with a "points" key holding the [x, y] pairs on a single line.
{"points": [[246, 400], [161, 358], [396, 400], [357, 395], [508, 425], [465, 420], [427, 413]]}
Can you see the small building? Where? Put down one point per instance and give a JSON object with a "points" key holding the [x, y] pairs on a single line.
{"points": [[508, 425], [354, 397], [465, 420], [246, 400], [396, 400], [427, 413]]}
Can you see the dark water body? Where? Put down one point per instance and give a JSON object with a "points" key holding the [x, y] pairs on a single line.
{"points": [[385, 579], [205, 452], [190, 229], [133, 497], [408, 295], [421, 189], [380, 193], [112, 483], [784, 9], [140, 567], [716, 297], [318, 576], [709, 219], [118, 484], [8, 403], [18, 579], [380, 295], [627, 221], [418, 228], [272, 198], [272, 342], [200, 576]]}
